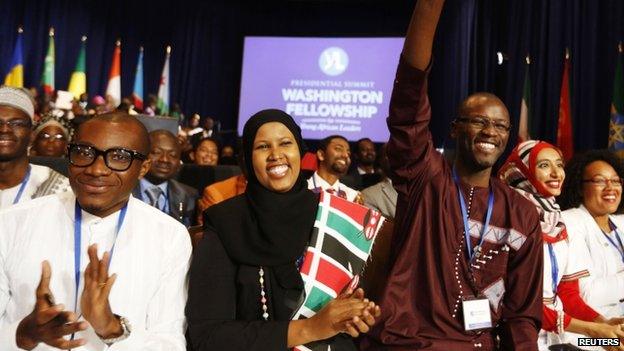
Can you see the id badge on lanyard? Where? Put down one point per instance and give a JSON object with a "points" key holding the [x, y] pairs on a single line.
{"points": [[476, 311], [476, 314]]}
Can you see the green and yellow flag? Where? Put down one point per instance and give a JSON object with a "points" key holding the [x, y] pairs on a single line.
{"points": [[78, 80]]}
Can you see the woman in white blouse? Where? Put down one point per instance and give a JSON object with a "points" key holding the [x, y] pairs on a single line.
{"points": [[592, 196]]}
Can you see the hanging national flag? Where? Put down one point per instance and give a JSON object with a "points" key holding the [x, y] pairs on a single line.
{"points": [[616, 126], [565, 138], [78, 80], [163, 88], [525, 107], [15, 77], [114, 76], [137, 91], [47, 80]]}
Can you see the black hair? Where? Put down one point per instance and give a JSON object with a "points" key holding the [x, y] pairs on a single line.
{"points": [[357, 144], [572, 192], [324, 143], [208, 139]]}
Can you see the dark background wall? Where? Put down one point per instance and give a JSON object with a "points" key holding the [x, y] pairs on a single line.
{"points": [[207, 40]]}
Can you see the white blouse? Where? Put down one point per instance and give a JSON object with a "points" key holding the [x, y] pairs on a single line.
{"points": [[603, 289], [568, 268]]}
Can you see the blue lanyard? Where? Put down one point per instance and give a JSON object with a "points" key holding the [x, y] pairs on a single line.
{"points": [[488, 216], [554, 269], [22, 186], [620, 249], [78, 243]]}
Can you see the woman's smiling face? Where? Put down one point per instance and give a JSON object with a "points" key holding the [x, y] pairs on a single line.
{"points": [[275, 157], [602, 189], [549, 171]]}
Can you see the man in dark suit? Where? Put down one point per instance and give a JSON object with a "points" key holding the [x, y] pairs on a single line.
{"points": [[158, 188], [363, 173]]}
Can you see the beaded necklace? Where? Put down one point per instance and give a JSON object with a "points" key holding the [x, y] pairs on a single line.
{"points": [[263, 300], [263, 294]]}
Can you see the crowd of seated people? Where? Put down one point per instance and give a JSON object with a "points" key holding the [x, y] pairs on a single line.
{"points": [[454, 254]]}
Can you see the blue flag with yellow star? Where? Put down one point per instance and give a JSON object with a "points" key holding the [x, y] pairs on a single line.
{"points": [[616, 126]]}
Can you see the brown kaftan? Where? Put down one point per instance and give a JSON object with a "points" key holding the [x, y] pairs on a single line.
{"points": [[421, 304]]}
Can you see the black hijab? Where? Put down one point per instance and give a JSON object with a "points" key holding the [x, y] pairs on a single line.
{"points": [[262, 227]]}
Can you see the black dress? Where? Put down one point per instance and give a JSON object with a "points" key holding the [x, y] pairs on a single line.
{"points": [[224, 311]]}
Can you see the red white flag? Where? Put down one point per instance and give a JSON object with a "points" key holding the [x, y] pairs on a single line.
{"points": [[565, 137], [114, 77]]}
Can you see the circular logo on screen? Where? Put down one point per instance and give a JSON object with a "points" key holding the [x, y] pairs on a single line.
{"points": [[333, 61]]}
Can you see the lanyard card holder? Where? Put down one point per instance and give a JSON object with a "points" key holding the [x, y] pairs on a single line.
{"points": [[476, 313]]}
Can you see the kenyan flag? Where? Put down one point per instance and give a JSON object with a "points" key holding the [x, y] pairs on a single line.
{"points": [[341, 242]]}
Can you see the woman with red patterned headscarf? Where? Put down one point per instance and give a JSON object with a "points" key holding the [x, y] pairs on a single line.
{"points": [[536, 170]]}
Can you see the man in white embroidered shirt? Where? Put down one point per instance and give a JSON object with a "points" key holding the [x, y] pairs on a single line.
{"points": [[100, 270], [21, 181], [334, 156]]}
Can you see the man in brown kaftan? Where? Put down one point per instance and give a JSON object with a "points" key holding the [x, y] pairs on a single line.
{"points": [[434, 271]]}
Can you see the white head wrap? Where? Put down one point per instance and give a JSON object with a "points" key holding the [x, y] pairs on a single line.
{"points": [[17, 98]]}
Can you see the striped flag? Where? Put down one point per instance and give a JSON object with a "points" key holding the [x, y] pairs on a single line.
{"points": [[114, 77], [565, 137], [163, 88], [341, 242], [78, 80], [137, 91], [47, 80], [15, 77]]}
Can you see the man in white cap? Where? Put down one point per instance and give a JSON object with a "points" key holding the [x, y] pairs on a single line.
{"points": [[19, 180]]}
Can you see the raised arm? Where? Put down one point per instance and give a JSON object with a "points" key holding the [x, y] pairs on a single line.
{"points": [[410, 145], [422, 28]]}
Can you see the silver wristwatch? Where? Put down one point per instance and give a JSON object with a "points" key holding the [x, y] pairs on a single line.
{"points": [[125, 326]]}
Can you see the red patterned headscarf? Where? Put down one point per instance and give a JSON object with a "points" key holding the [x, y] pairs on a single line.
{"points": [[519, 173]]}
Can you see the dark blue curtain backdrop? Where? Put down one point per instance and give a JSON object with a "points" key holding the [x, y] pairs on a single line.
{"points": [[207, 39]]}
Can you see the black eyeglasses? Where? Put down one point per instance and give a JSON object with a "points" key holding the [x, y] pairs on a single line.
{"points": [[117, 159], [16, 124], [480, 123]]}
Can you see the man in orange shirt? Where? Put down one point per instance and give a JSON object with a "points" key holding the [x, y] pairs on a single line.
{"points": [[221, 191]]}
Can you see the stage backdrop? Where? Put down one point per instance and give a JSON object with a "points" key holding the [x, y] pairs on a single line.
{"points": [[329, 85], [207, 39]]}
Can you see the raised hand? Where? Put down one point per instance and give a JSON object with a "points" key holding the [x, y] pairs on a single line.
{"points": [[48, 323], [94, 300]]}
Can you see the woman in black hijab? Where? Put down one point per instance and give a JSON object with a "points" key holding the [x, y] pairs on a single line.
{"points": [[244, 281]]}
